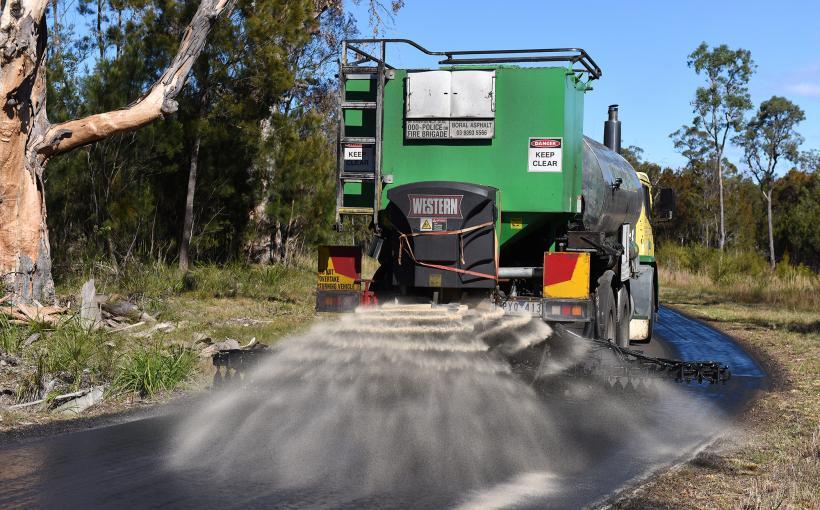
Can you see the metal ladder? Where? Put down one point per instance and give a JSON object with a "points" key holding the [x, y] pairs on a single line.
{"points": [[375, 67]]}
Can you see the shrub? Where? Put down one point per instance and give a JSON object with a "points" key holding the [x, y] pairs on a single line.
{"points": [[743, 276], [736, 266], [148, 370], [29, 386], [698, 258], [78, 352]]}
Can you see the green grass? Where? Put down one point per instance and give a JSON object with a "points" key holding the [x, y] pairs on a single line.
{"points": [[10, 336], [79, 353], [149, 370], [220, 301], [76, 356]]}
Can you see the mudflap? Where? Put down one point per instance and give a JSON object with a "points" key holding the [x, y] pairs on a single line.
{"points": [[232, 364], [642, 287], [337, 301]]}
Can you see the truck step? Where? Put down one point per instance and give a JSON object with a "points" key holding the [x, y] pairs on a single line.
{"points": [[357, 176], [359, 139], [359, 105], [355, 210], [367, 72]]}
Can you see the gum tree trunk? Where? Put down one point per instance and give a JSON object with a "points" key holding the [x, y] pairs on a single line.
{"points": [[28, 139], [722, 238], [772, 260], [188, 222], [25, 262]]}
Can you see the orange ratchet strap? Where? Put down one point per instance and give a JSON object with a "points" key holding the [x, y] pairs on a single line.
{"points": [[404, 243]]}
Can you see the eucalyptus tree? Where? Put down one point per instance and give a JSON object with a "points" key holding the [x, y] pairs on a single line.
{"points": [[28, 139], [246, 69], [770, 138], [719, 105]]}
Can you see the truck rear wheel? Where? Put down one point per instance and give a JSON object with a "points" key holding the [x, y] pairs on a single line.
{"points": [[606, 319], [624, 316], [653, 316], [611, 329]]}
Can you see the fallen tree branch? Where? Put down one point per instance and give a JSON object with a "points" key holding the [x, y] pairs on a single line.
{"points": [[129, 326], [27, 404]]}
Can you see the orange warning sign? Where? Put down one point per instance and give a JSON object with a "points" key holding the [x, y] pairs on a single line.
{"points": [[340, 268]]}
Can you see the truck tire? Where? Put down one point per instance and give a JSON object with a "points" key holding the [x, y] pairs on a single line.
{"points": [[624, 316], [653, 316], [606, 318]]}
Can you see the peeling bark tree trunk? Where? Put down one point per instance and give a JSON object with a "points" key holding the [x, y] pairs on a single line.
{"points": [[24, 251], [27, 139]]}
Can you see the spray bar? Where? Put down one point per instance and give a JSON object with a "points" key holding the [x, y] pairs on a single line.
{"points": [[682, 371]]}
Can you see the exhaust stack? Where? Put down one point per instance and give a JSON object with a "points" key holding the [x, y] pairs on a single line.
{"points": [[612, 130]]}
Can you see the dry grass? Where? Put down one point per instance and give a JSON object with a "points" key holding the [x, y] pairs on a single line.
{"points": [[796, 292], [713, 276], [772, 458]]}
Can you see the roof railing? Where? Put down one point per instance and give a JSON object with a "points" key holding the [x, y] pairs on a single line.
{"points": [[576, 56]]}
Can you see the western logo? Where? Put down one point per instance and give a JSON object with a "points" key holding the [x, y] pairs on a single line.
{"points": [[439, 206]]}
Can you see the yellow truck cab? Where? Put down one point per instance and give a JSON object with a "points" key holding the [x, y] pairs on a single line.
{"points": [[646, 302]]}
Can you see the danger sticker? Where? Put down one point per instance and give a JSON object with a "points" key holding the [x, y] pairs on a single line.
{"points": [[426, 224], [545, 154], [353, 152]]}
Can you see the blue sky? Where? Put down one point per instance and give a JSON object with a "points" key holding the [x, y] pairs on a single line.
{"points": [[641, 47]]}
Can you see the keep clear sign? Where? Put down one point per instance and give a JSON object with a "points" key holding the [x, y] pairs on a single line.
{"points": [[545, 155], [449, 129], [359, 158]]}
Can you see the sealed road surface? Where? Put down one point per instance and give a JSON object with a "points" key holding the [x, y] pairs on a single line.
{"points": [[128, 465]]}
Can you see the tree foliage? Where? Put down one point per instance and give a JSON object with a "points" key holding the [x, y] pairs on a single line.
{"points": [[769, 138], [796, 202], [268, 65]]}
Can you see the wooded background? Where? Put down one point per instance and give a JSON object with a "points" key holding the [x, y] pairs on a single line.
{"points": [[256, 119], [255, 129]]}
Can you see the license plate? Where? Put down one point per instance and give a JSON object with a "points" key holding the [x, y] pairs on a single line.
{"points": [[522, 306]]}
